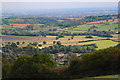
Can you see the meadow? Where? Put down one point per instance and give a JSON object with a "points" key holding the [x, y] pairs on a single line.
{"points": [[101, 43]]}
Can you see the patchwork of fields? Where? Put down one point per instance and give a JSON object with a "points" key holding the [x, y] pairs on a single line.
{"points": [[65, 41]]}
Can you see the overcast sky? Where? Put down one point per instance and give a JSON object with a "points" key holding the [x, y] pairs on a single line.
{"points": [[59, 0], [51, 5]]}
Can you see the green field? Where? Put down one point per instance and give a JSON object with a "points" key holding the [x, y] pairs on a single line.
{"points": [[101, 43], [82, 28], [104, 27], [85, 27], [108, 77]]}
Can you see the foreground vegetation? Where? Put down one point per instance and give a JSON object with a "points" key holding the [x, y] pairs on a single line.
{"points": [[107, 77], [98, 63]]}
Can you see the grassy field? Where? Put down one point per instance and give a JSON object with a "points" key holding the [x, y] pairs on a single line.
{"points": [[107, 77], [104, 27], [85, 27], [101, 43]]}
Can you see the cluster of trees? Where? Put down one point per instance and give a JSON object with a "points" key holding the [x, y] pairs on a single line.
{"points": [[98, 63], [103, 17], [38, 66], [14, 51], [66, 49], [69, 23], [53, 21], [22, 32], [30, 20], [41, 66]]}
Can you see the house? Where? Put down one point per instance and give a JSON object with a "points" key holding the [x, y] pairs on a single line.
{"points": [[78, 55], [40, 47], [59, 55]]}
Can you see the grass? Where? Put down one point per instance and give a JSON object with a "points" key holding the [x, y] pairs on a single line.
{"points": [[82, 28], [103, 27], [101, 43], [107, 77]]}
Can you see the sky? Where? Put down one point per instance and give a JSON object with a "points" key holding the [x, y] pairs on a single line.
{"points": [[59, 0], [54, 5]]}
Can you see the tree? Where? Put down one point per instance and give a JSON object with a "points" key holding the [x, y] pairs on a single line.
{"points": [[35, 43], [14, 45], [72, 37], [40, 45], [68, 38], [44, 42], [57, 38], [23, 42], [58, 43], [18, 43], [36, 66], [9, 43], [88, 36], [54, 42]]}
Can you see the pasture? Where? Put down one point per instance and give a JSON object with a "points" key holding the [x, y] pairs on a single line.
{"points": [[101, 43]]}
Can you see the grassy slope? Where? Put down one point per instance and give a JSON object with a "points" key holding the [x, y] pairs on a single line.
{"points": [[101, 43], [108, 77]]}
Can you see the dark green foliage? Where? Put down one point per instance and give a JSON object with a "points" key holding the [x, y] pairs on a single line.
{"points": [[101, 62], [58, 43], [54, 42], [23, 42], [36, 66], [66, 49], [44, 42], [57, 38], [88, 36], [29, 27], [98, 63], [35, 43], [13, 45], [40, 45], [9, 43], [68, 38], [22, 32], [31, 20], [18, 43]]}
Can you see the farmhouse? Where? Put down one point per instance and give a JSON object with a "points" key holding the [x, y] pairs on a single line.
{"points": [[59, 54], [78, 55], [40, 47]]}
